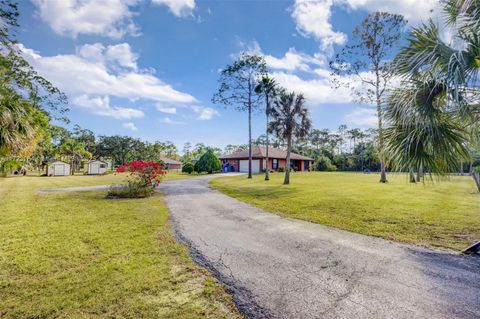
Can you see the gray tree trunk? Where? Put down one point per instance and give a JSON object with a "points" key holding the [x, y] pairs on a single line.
{"points": [[419, 173], [249, 130], [476, 178], [287, 168], [412, 175], [267, 110]]}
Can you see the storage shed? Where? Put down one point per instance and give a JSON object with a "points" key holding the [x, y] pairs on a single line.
{"points": [[96, 167], [58, 168]]}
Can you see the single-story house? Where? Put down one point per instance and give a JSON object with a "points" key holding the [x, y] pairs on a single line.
{"points": [[58, 168], [96, 167], [277, 158], [170, 163]]}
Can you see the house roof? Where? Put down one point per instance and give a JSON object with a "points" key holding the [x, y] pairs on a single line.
{"points": [[167, 160], [260, 152]]}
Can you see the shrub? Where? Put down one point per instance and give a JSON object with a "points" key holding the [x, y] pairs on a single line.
{"points": [[323, 163], [281, 169], [143, 178], [188, 168], [208, 162], [134, 188], [476, 169]]}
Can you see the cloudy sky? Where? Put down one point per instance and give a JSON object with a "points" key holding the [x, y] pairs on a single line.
{"points": [[148, 68]]}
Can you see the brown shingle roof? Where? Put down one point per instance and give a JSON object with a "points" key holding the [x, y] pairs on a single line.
{"points": [[260, 152]]}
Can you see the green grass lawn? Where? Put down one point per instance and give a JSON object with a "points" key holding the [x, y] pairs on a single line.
{"points": [[78, 255], [443, 213]]}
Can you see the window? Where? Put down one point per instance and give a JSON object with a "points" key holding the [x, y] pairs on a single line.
{"points": [[103, 165], [275, 163]]}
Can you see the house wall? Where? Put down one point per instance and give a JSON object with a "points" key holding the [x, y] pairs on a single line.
{"points": [[101, 170], [300, 164], [174, 166]]}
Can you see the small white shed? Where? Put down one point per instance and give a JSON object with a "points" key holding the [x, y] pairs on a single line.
{"points": [[96, 167], [58, 168]]}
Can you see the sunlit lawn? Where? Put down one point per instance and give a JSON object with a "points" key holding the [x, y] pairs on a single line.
{"points": [[78, 255], [442, 213]]}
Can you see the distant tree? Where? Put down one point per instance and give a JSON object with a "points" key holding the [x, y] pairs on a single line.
{"points": [[208, 162], [187, 148], [290, 119], [74, 151], [368, 61], [230, 148], [119, 148], [237, 87], [268, 88]]}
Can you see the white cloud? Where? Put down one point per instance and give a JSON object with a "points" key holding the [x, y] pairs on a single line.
{"points": [[115, 56], [96, 73], [169, 121], [364, 117], [130, 126], [294, 61], [76, 75], [110, 18], [313, 19], [165, 109], [180, 8], [413, 10], [101, 106], [206, 113], [317, 90]]}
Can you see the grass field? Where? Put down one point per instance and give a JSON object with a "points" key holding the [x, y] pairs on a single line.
{"points": [[78, 255], [437, 213]]}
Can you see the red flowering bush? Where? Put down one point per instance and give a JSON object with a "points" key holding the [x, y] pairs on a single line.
{"points": [[150, 173], [144, 177]]}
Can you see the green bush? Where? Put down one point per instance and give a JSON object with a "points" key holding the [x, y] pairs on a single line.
{"points": [[476, 169], [135, 188], [281, 169], [188, 168], [208, 162], [323, 163]]}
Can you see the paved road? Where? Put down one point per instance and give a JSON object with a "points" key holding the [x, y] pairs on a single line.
{"points": [[283, 268]]}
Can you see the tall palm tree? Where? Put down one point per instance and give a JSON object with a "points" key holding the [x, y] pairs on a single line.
{"points": [[431, 114], [290, 118], [267, 87]]}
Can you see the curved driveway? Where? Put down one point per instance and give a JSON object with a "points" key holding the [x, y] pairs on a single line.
{"points": [[283, 268]]}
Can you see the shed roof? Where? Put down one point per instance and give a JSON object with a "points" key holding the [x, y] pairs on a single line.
{"points": [[97, 160], [260, 152], [55, 160]]}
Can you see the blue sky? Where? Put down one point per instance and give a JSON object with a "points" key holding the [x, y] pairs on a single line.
{"points": [[148, 68]]}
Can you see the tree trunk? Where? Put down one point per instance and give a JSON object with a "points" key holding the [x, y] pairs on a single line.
{"points": [[267, 110], [287, 168], [249, 131], [381, 155], [419, 173], [412, 175], [476, 178]]}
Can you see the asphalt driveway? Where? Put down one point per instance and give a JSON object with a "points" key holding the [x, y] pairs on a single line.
{"points": [[283, 268]]}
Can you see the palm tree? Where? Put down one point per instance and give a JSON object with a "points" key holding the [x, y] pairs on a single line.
{"points": [[431, 114], [290, 118], [21, 125], [75, 151], [267, 87]]}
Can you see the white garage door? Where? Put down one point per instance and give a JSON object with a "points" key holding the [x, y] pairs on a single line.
{"points": [[255, 166], [94, 168], [59, 170]]}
